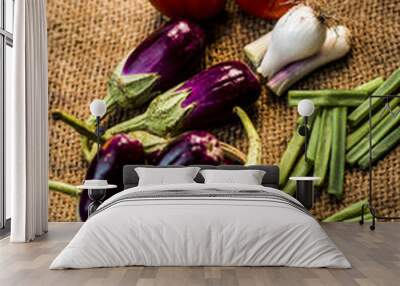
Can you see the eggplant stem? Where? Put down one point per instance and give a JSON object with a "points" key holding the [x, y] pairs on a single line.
{"points": [[79, 126], [255, 148], [88, 151], [231, 152], [133, 124], [64, 188]]}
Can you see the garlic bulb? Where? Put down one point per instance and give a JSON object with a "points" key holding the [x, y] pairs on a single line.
{"points": [[297, 35], [337, 44]]}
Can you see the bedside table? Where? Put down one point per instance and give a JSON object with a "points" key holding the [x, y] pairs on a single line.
{"points": [[96, 194], [305, 190]]}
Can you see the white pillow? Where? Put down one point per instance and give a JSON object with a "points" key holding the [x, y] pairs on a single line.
{"points": [[166, 176], [247, 177]]}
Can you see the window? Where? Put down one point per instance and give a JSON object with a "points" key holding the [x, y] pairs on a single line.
{"points": [[6, 65]]}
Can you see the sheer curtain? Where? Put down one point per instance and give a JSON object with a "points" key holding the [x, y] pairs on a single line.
{"points": [[27, 124]]}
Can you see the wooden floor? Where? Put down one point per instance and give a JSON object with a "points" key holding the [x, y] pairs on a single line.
{"points": [[375, 257]]}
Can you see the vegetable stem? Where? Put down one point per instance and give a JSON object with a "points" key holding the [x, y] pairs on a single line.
{"points": [[80, 126], [255, 148], [324, 147], [381, 149], [136, 123], [64, 188], [256, 50], [389, 86], [377, 133], [348, 212], [338, 152], [328, 97], [163, 116], [88, 153]]}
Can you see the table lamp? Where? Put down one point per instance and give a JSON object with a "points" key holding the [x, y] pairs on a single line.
{"points": [[305, 108], [98, 108]]}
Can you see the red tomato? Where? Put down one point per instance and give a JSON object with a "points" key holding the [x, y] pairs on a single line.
{"points": [[191, 9], [268, 9]]}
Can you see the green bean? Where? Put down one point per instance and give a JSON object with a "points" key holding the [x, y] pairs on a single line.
{"points": [[377, 133], [290, 156], [324, 147], [292, 151], [254, 153], [315, 136], [302, 168], [355, 137], [328, 97], [338, 151], [367, 217], [371, 86], [389, 86], [348, 212], [381, 149]]}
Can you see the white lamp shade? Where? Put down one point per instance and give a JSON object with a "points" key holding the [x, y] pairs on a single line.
{"points": [[98, 107], [305, 107]]}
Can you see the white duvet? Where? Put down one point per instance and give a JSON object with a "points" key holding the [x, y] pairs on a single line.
{"points": [[200, 231]]}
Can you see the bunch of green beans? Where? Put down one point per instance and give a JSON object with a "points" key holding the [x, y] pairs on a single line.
{"points": [[330, 147]]}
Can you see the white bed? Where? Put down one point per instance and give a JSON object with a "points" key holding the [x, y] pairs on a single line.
{"points": [[248, 226]]}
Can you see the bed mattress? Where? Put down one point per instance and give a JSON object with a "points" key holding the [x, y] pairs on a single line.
{"points": [[201, 225]]}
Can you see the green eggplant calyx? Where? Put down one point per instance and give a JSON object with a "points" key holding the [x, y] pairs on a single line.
{"points": [[130, 90], [165, 113], [164, 116], [151, 143]]}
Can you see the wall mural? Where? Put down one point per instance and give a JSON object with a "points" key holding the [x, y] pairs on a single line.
{"points": [[224, 89]]}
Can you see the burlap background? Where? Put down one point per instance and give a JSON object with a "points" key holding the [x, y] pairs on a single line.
{"points": [[88, 38]]}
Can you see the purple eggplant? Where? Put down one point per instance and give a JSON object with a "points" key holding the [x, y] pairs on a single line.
{"points": [[196, 147], [164, 59], [201, 102], [115, 153], [154, 145]]}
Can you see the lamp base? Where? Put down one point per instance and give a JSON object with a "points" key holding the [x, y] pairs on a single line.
{"points": [[305, 193]]}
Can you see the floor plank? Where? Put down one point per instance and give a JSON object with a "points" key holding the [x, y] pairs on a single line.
{"points": [[375, 257]]}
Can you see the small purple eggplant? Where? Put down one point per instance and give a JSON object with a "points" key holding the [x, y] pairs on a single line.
{"points": [[152, 144], [201, 102], [164, 59], [195, 147], [120, 150]]}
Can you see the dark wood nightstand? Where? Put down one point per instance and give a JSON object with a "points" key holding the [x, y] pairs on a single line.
{"points": [[305, 190]]}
